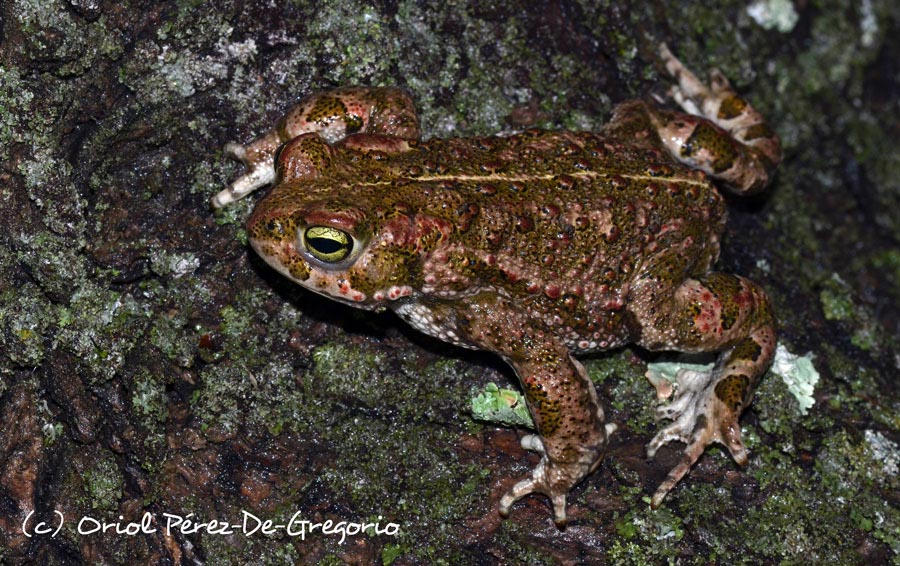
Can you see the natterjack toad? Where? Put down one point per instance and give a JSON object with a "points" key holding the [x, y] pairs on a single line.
{"points": [[534, 246]]}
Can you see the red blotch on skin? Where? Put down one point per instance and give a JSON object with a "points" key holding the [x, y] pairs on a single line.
{"points": [[410, 232]]}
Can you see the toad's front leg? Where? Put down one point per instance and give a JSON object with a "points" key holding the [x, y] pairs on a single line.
{"points": [[572, 436], [333, 115]]}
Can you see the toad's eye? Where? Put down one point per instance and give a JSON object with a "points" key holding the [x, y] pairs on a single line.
{"points": [[327, 244]]}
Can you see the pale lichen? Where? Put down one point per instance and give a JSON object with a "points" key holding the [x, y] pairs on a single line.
{"points": [[799, 374], [774, 14]]}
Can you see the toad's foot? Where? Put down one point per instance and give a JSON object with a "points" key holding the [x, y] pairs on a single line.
{"points": [[261, 173], [721, 134], [717, 102], [553, 479], [700, 417], [717, 312]]}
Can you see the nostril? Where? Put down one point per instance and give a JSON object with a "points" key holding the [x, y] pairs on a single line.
{"points": [[275, 227]]}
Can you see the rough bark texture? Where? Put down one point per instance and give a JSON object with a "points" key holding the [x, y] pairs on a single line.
{"points": [[149, 365]]}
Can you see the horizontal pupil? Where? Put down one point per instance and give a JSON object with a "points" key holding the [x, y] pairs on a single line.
{"points": [[326, 245]]}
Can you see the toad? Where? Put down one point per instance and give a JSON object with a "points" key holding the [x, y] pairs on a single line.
{"points": [[537, 246]]}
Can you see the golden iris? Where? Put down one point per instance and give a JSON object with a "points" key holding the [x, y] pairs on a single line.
{"points": [[328, 244]]}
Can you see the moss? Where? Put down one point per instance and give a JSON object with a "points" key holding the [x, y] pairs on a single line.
{"points": [[174, 339], [781, 527], [787, 518], [779, 415], [231, 396], [839, 304], [149, 401], [629, 392], [52, 32], [835, 298], [403, 464], [859, 384], [260, 551], [104, 484], [329, 404], [25, 322], [645, 536]]}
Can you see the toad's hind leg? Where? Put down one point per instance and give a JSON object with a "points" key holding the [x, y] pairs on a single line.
{"points": [[716, 312], [720, 133], [333, 115]]}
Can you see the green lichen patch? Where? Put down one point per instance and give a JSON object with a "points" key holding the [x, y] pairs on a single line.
{"points": [[837, 303], [25, 323], [103, 482], [106, 328], [504, 406], [645, 536], [51, 31], [149, 401], [231, 397], [887, 454]]}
